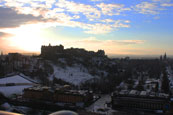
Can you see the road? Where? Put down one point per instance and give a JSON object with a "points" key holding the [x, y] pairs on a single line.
{"points": [[100, 105]]}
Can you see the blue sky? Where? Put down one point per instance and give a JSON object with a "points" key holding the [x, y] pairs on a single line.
{"points": [[120, 27]]}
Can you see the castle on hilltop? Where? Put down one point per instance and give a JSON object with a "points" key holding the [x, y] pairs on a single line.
{"points": [[58, 51], [50, 51]]}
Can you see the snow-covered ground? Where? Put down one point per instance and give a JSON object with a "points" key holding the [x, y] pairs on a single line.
{"points": [[18, 89], [75, 75]]}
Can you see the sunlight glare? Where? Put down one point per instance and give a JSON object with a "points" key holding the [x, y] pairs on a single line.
{"points": [[27, 38]]}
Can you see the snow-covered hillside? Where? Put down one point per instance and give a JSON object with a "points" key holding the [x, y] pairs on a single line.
{"points": [[75, 75]]}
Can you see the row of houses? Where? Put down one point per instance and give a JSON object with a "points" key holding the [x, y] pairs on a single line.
{"points": [[144, 100], [60, 96]]}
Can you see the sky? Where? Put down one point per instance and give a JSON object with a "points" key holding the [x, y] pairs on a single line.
{"points": [[120, 27]]}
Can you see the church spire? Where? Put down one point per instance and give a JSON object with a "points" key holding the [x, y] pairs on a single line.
{"points": [[165, 57]]}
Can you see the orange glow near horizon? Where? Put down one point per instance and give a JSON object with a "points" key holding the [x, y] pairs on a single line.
{"points": [[30, 38], [27, 38]]}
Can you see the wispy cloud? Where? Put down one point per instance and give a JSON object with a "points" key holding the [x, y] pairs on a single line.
{"points": [[107, 20], [98, 18], [147, 8], [110, 46], [162, 1], [87, 10], [112, 9], [106, 28], [167, 5], [93, 41], [96, 0]]}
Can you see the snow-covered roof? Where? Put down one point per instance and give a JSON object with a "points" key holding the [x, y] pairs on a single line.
{"points": [[14, 79], [133, 92], [143, 93], [16, 89]]}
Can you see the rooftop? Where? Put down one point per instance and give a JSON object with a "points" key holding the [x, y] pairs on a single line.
{"points": [[135, 93], [58, 90]]}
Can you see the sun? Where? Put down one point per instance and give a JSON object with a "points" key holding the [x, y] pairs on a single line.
{"points": [[27, 38]]}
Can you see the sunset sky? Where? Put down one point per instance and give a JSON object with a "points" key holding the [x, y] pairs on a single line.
{"points": [[120, 27]]}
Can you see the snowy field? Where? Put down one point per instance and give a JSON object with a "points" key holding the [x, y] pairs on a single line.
{"points": [[75, 75]]}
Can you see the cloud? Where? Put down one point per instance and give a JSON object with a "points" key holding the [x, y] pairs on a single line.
{"points": [[92, 18], [162, 1], [64, 14], [10, 18], [4, 35], [107, 20], [112, 9], [87, 10], [93, 41], [147, 8], [110, 46], [167, 5], [127, 42], [96, 0], [97, 28], [31, 3], [106, 28]]}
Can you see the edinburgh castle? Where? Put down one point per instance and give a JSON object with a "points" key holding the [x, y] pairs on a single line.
{"points": [[58, 51]]}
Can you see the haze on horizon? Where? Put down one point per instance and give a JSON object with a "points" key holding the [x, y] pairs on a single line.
{"points": [[135, 27]]}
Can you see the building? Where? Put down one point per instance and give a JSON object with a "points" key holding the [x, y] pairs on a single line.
{"points": [[38, 93], [14, 56], [61, 96], [75, 97], [165, 57], [101, 53], [142, 100], [54, 52], [49, 52]]}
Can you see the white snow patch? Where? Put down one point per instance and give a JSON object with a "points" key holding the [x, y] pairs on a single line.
{"points": [[75, 75]]}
